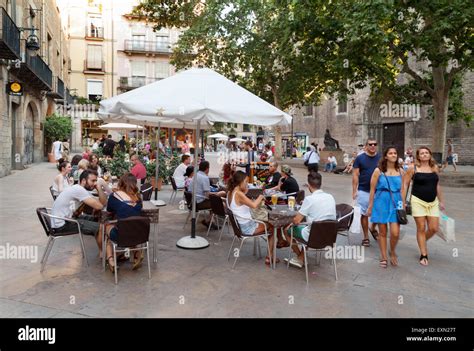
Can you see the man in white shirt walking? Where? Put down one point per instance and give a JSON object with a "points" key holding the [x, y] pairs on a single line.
{"points": [[57, 149]]}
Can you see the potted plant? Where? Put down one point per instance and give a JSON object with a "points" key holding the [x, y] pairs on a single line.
{"points": [[56, 127], [119, 165]]}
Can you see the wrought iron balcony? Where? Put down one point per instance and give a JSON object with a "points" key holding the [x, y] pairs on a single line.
{"points": [[58, 91], [129, 83], [35, 73], [147, 47], [9, 37]]}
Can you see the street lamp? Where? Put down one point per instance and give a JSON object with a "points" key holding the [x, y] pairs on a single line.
{"points": [[32, 42]]}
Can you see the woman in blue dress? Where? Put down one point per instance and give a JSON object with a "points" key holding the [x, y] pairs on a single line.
{"points": [[385, 198]]}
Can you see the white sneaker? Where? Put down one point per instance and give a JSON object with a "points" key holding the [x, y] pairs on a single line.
{"points": [[296, 263]]}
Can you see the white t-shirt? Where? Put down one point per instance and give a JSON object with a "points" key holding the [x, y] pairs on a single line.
{"points": [[67, 202], [95, 146], [178, 175], [332, 160], [319, 206], [312, 155], [57, 146]]}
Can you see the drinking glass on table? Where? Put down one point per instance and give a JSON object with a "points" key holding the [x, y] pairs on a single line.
{"points": [[274, 200], [291, 202]]}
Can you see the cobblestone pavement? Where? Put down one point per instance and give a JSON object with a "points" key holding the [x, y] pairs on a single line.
{"points": [[201, 283]]}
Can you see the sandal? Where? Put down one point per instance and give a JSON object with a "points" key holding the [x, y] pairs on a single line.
{"points": [[111, 266], [374, 233], [138, 262], [268, 261], [383, 264], [366, 242], [424, 260]]}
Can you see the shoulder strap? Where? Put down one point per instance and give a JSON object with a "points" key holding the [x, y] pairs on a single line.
{"points": [[390, 190]]}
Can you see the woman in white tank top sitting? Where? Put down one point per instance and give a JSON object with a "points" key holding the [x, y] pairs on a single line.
{"points": [[62, 181], [240, 206]]}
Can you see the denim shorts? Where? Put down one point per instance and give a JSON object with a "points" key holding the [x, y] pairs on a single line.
{"points": [[248, 228], [363, 201]]}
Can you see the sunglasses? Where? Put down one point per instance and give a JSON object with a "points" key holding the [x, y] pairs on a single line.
{"points": [[372, 144]]}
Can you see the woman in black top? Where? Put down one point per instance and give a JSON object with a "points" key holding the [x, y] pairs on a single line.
{"points": [[426, 198]]}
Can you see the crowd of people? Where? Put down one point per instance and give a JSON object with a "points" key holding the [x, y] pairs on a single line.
{"points": [[379, 187]]}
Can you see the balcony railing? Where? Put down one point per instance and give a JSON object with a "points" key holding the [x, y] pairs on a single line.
{"points": [[58, 91], [148, 47], [9, 37], [93, 32], [93, 66], [42, 75], [128, 83]]}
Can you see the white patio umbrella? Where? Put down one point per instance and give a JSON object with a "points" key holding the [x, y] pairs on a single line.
{"points": [[197, 95], [218, 136], [120, 126], [236, 140]]}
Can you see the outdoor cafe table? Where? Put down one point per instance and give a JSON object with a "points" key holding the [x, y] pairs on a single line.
{"points": [[149, 210], [280, 216]]}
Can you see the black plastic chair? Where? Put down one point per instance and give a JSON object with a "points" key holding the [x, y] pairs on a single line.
{"points": [[146, 190], [53, 194], [218, 211], [322, 237], [176, 189], [45, 216], [345, 216], [242, 237], [133, 234]]}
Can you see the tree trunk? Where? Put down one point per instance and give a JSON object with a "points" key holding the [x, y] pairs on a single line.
{"points": [[440, 109], [278, 139]]}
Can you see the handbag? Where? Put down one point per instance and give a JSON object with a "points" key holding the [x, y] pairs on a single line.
{"points": [[307, 161], [260, 213], [408, 194], [401, 213]]}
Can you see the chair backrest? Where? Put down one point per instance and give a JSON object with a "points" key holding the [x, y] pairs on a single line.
{"points": [[133, 231], [146, 191], [322, 234], [44, 220], [254, 193], [341, 211], [173, 183], [234, 223], [299, 197], [52, 193], [217, 205], [188, 196]]}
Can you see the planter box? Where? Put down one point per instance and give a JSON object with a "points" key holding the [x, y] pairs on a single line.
{"points": [[51, 158], [154, 185]]}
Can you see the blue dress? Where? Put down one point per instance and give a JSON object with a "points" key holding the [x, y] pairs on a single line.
{"points": [[384, 211]]}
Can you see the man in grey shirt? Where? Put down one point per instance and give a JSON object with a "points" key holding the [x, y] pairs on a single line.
{"points": [[203, 189]]}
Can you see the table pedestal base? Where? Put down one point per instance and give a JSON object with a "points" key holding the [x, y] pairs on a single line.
{"points": [[190, 243]]}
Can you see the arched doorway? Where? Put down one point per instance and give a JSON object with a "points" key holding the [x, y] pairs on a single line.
{"points": [[29, 135]]}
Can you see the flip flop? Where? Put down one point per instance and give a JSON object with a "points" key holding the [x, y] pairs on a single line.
{"points": [[383, 264], [366, 243], [374, 233]]}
